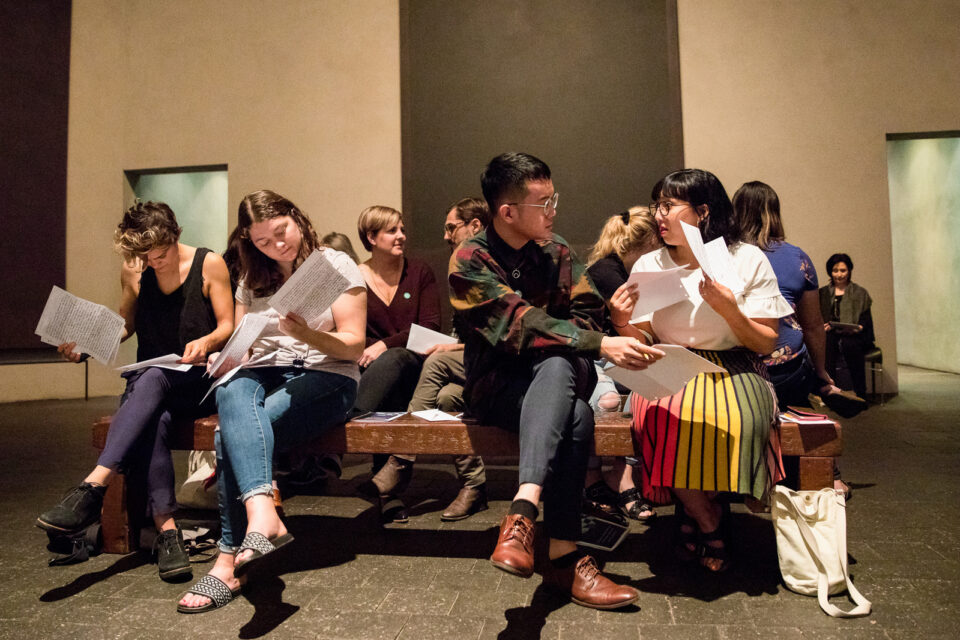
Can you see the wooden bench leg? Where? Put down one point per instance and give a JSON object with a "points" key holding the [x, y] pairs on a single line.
{"points": [[815, 473], [122, 516]]}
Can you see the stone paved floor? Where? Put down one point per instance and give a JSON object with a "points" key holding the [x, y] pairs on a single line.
{"points": [[346, 578]]}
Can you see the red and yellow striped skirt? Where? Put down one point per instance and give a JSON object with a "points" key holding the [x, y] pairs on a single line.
{"points": [[718, 433]]}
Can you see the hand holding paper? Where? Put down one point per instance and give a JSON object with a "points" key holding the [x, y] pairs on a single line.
{"points": [[422, 338], [714, 258], [666, 376], [239, 343], [656, 290], [90, 327], [170, 361]]}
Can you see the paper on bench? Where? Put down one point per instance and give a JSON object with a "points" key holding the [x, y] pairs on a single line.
{"points": [[714, 258], [169, 361], [667, 375], [96, 329], [433, 415], [246, 333], [657, 289], [313, 287], [381, 416], [421, 338]]}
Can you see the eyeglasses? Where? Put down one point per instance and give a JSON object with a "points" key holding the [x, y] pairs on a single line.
{"points": [[665, 206], [548, 206], [450, 228]]}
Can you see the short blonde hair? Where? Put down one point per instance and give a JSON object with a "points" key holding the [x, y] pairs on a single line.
{"points": [[634, 229], [375, 219], [145, 226]]}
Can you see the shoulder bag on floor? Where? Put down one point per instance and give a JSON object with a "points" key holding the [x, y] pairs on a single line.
{"points": [[811, 529]]}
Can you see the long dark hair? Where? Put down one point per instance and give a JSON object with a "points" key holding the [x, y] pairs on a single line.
{"points": [[756, 208], [699, 187], [259, 273]]}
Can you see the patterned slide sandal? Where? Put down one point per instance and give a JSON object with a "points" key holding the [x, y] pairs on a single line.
{"points": [[261, 546], [212, 587]]}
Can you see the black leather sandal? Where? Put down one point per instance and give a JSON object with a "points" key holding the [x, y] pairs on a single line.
{"points": [[638, 505], [687, 542]]}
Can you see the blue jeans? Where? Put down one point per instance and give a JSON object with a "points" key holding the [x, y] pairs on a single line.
{"points": [[262, 410]]}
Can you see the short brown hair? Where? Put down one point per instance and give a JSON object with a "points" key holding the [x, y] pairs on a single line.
{"points": [[470, 209], [375, 219], [145, 226]]}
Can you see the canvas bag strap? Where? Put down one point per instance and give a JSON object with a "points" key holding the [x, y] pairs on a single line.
{"points": [[863, 605]]}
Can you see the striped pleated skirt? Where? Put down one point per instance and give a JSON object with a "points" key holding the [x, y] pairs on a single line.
{"points": [[718, 433]]}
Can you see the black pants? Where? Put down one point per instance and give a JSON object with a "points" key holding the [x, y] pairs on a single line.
{"points": [[548, 408], [851, 349], [387, 385]]}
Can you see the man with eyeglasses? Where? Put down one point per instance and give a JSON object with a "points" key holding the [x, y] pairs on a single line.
{"points": [[442, 377], [529, 316]]}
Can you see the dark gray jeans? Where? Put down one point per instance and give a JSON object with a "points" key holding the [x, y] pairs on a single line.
{"points": [[548, 407]]}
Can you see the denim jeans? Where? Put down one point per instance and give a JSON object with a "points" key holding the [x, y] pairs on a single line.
{"points": [[137, 441], [263, 410]]}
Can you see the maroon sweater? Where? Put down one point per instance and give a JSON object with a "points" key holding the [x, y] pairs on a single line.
{"points": [[416, 301]]}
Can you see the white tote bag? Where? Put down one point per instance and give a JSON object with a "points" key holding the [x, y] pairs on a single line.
{"points": [[811, 531]]}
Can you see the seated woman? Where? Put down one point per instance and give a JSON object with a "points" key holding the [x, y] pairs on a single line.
{"points": [[176, 298], [304, 380], [623, 238], [843, 302], [796, 366], [718, 433], [403, 291]]}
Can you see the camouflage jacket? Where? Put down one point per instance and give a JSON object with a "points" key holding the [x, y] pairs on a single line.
{"points": [[511, 305]]}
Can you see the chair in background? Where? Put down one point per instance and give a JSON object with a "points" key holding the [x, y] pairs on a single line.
{"points": [[874, 361]]}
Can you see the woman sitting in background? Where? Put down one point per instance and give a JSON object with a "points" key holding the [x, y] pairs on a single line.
{"points": [[717, 434], [402, 292], [304, 380], [176, 298], [845, 307], [340, 242], [623, 238]]}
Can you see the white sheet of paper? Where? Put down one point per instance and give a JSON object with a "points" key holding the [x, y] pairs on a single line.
{"points": [[421, 338], [657, 289], [721, 262], [313, 287], [714, 258], [433, 415], [169, 361], [240, 342], [667, 375], [66, 318]]}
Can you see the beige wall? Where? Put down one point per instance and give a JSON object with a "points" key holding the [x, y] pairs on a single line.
{"points": [[801, 95], [298, 96]]}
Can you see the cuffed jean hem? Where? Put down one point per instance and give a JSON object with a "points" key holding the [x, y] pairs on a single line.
{"points": [[225, 548], [259, 490]]}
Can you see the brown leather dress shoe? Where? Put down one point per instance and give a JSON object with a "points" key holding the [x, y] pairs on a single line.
{"points": [[590, 588], [514, 550], [469, 501]]}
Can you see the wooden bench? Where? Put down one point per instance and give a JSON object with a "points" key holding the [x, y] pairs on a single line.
{"points": [[123, 506]]}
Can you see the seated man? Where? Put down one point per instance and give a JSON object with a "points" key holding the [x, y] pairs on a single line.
{"points": [[529, 317], [442, 377]]}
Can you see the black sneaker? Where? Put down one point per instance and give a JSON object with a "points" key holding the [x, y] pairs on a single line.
{"points": [[172, 557], [78, 510]]}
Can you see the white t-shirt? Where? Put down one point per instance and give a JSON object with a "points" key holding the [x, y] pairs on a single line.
{"points": [[285, 350], [694, 323]]}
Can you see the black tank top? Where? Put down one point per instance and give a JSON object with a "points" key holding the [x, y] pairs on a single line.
{"points": [[166, 323]]}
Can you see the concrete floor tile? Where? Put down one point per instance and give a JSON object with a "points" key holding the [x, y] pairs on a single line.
{"points": [[435, 602], [354, 625], [515, 627], [744, 632], [679, 632], [625, 630], [149, 614], [488, 605], [427, 627], [330, 600]]}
